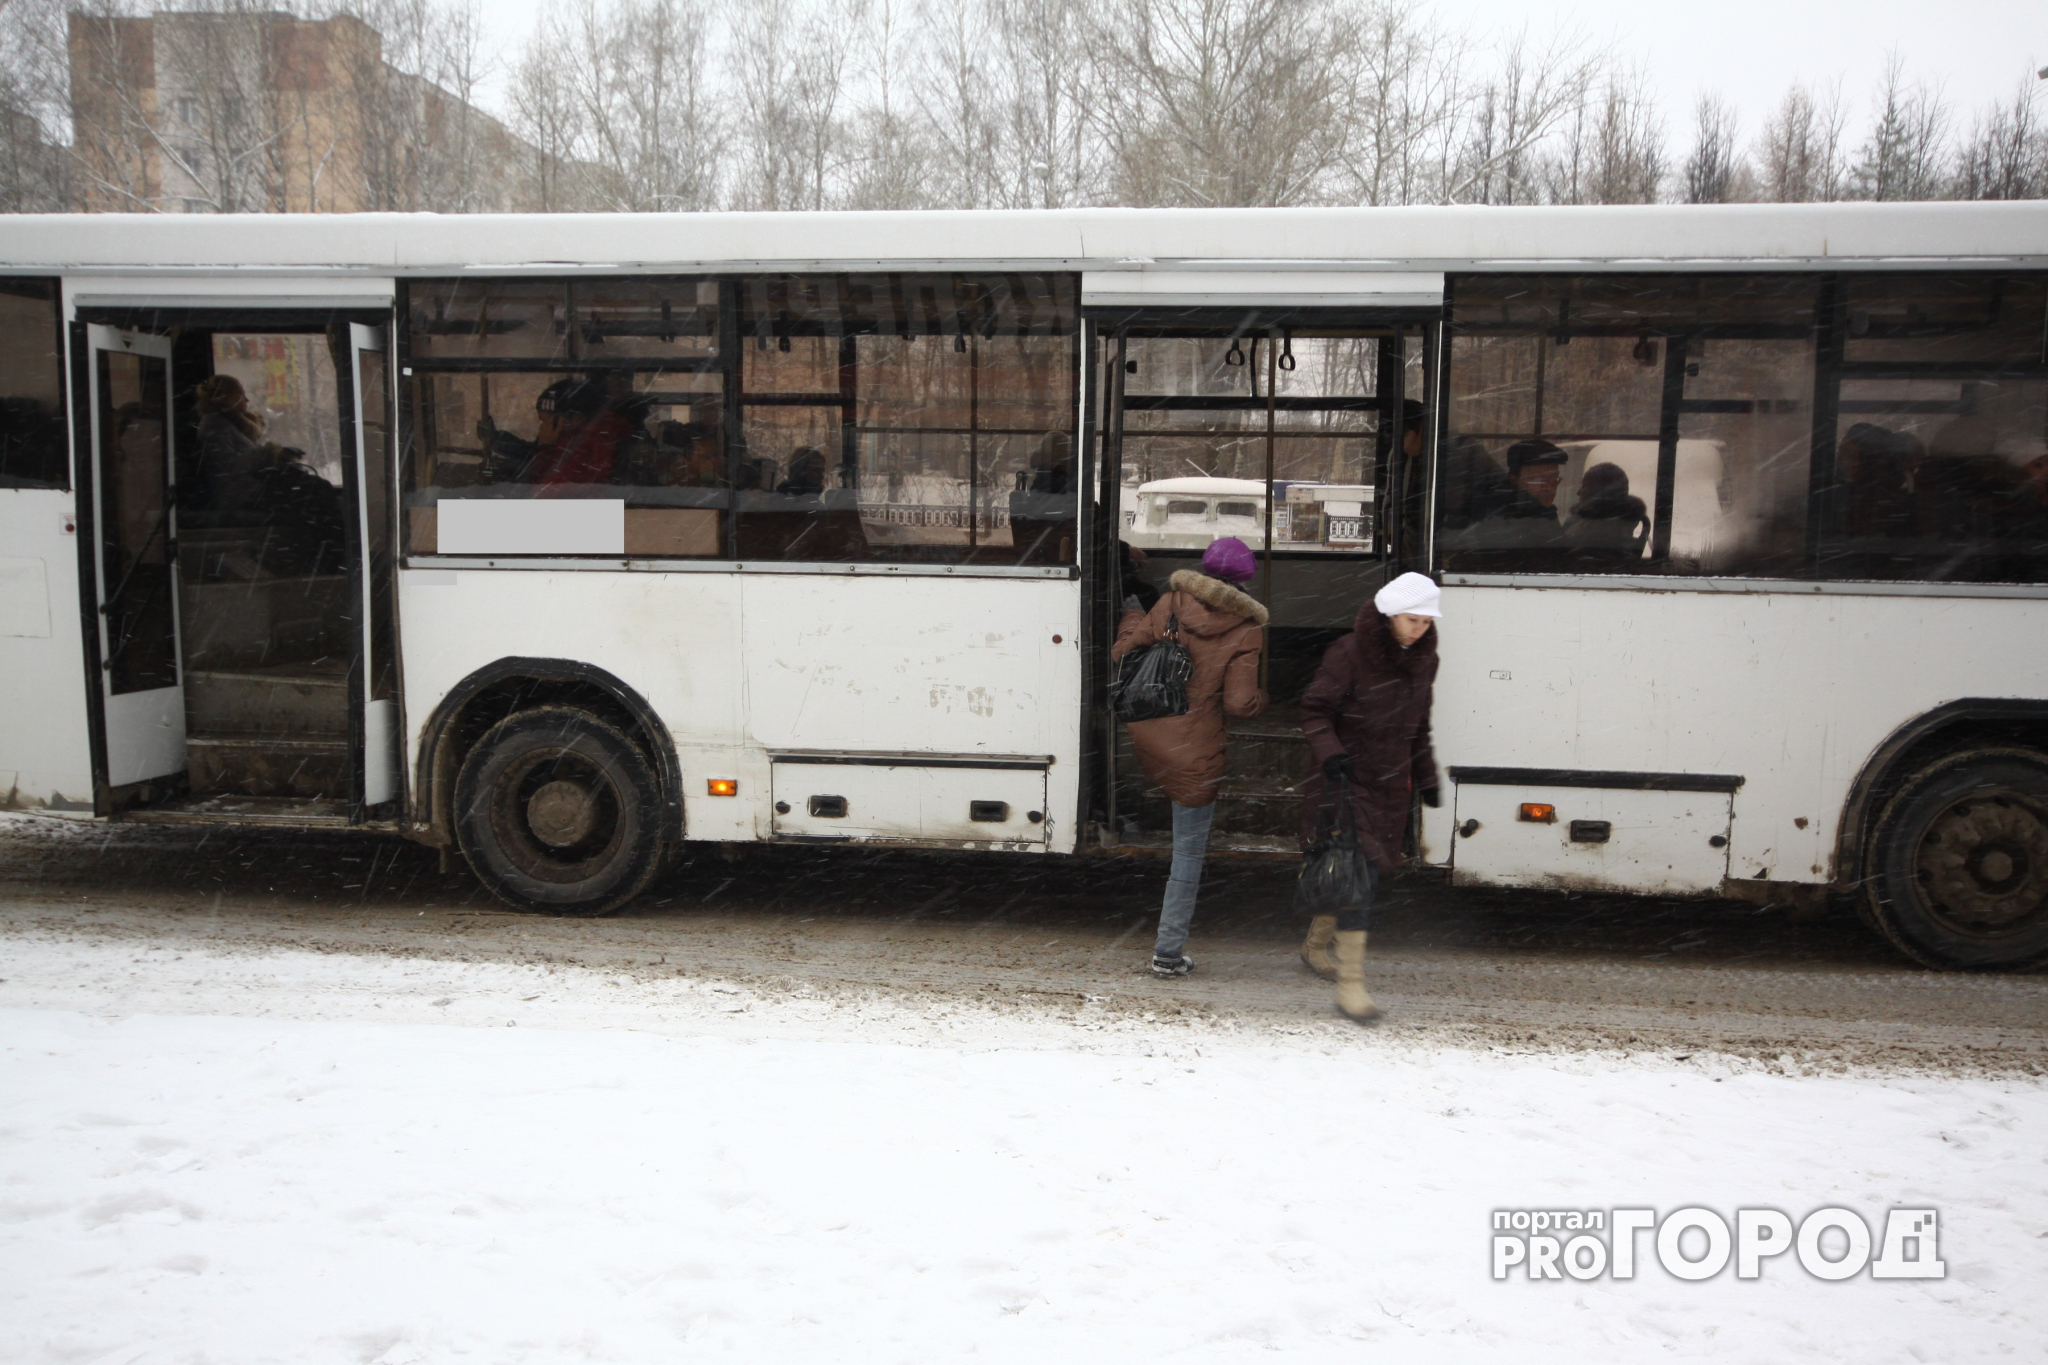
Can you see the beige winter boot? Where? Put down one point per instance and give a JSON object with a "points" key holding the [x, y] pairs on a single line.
{"points": [[1315, 949], [1351, 996]]}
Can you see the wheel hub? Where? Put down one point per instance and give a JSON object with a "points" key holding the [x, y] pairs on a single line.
{"points": [[1984, 860], [561, 813]]}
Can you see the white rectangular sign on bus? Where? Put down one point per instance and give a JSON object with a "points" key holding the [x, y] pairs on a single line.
{"points": [[532, 526]]}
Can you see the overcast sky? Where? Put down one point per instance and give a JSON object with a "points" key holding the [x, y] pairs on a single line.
{"points": [[1750, 50]]}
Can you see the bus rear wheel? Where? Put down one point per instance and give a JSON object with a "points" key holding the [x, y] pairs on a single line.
{"points": [[558, 812], [1960, 862]]}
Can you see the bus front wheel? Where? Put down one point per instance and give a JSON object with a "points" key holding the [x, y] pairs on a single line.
{"points": [[558, 812], [1959, 862]]}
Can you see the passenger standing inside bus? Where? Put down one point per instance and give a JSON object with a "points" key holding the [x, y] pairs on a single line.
{"points": [[1224, 632], [1366, 717]]}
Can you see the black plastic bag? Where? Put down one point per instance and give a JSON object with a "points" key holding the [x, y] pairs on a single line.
{"points": [[1335, 875], [1152, 683]]}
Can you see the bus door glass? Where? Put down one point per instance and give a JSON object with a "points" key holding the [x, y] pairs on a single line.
{"points": [[378, 687], [1286, 434], [140, 676]]}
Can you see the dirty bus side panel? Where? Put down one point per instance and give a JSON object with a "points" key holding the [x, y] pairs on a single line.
{"points": [[45, 743]]}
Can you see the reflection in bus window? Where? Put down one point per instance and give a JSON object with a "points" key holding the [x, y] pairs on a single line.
{"points": [[908, 418], [33, 444]]}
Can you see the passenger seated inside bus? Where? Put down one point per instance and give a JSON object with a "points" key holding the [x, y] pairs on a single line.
{"points": [[1514, 525], [1874, 466], [1973, 495], [1609, 527], [578, 442], [801, 518], [1052, 465], [1043, 512], [806, 474], [244, 481]]}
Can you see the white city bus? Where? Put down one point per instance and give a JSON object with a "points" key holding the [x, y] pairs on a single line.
{"points": [[559, 541]]}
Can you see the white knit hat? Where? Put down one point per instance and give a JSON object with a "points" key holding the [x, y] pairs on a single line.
{"points": [[1412, 594]]}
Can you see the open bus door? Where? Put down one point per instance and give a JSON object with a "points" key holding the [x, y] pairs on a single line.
{"points": [[141, 675], [1289, 429], [376, 690]]}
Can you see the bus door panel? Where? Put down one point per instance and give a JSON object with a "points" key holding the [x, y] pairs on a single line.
{"points": [[141, 679], [377, 688]]}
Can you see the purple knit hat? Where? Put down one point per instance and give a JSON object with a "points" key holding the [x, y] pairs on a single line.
{"points": [[1229, 559]]}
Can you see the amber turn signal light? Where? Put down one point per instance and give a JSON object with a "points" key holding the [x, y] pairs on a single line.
{"points": [[723, 786], [1539, 813]]}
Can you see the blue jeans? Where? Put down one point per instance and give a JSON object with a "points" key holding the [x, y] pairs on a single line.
{"points": [[1190, 847]]}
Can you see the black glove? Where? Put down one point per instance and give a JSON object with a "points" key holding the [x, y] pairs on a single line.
{"points": [[1432, 797], [1336, 766]]}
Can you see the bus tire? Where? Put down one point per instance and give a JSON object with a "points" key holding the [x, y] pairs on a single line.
{"points": [[558, 812], [1959, 862]]}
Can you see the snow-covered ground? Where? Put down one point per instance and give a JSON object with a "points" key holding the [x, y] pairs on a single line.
{"points": [[208, 1157]]}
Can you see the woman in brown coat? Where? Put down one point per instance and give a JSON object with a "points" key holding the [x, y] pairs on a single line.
{"points": [[1366, 717], [1224, 631]]}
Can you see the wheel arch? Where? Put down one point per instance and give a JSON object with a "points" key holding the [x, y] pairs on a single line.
{"points": [[514, 684], [1950, 728]]}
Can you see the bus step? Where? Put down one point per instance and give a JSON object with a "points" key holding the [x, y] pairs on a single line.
{"points": [[268, 765], [280, 811], [292, 699]]}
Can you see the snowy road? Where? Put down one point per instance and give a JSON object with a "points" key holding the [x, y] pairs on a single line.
{"points": [[362, 1117], [1462, 968]]}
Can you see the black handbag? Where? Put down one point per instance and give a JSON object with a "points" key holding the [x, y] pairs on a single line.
{"points": [[1335, 874], [1152, 683]]}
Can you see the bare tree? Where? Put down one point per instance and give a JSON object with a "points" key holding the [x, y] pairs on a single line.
{"points": [[1223, 102], [548, 116], [792, 72], [1531, 96], [1006, 92], [1713, 171], [33, 163], [2006, 155], [1051, 153], [953, 90], [888, 152], [1800, 154], [638, 77], [1613, 148], [426, 143], [1905, 154], [1411, 106]]}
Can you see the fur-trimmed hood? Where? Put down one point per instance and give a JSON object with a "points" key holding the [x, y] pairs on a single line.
{"points": [[1227, 605]]}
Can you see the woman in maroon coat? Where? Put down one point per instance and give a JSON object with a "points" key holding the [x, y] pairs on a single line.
{"points": [[1366, 716]]}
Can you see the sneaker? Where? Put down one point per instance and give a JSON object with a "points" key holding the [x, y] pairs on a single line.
{"points": [[1172, 966]]}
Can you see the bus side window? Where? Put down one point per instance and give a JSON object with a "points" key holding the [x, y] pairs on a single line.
{"points": [[604, 391], [1941, 452], [1582, 405], [914, 418], [33, 448]]}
